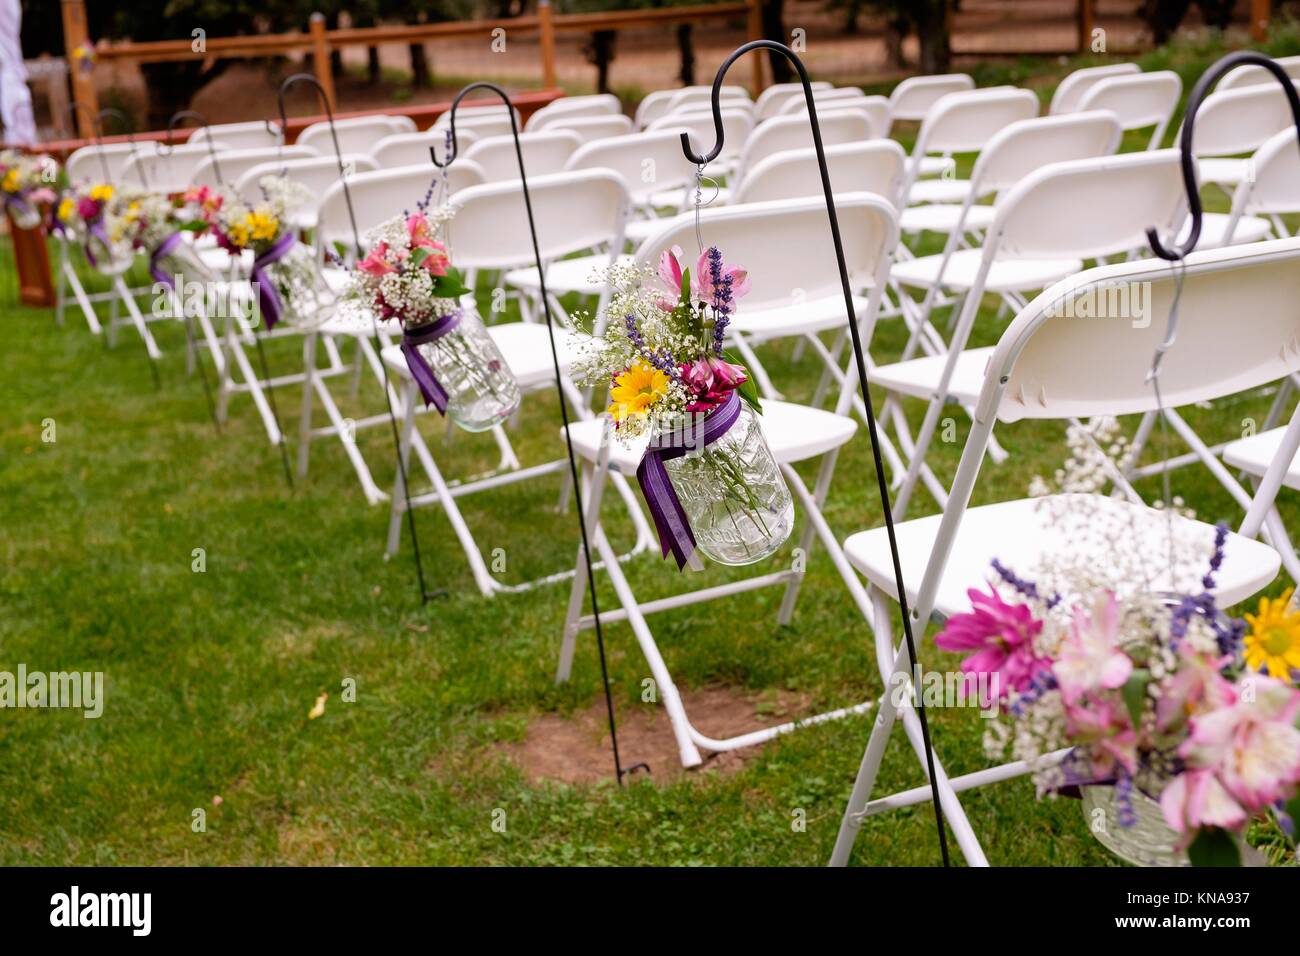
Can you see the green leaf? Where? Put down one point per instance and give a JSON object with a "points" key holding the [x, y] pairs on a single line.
{"points": [[194, 225], [449, 287], [1292, 809], [1214, 847], [748, 391], [1134, 693], [685, 295], [419, 255]]}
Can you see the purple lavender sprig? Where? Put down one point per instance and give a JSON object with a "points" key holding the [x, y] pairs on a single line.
{"points": [[723, 302], [660, 360], [1024, 587]]}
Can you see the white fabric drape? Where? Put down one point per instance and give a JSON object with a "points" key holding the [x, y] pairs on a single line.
{"points": [[15, 98]]}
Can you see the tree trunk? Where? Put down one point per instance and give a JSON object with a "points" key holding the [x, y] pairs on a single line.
{"points": [[686, 47], [931, 18], [774, 29], [336, 55], [1163, 17], [373, 71], [172, 86], [419, 66], [600, 54], [895, 33]]}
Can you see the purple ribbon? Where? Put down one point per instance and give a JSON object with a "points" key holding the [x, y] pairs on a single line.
{"points": [[674, 529], [97, 231], [165, 248], [434, 394], [266, 294]]}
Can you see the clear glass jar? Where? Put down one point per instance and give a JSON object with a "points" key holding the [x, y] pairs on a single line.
{"points": [[481, 390], [734, 496], [110, 258], [184, 263], [26, 215], [1149, 841], [306, 300]]}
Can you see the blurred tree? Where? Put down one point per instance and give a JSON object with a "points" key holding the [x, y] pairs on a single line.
{"points": [[1163, 17], [926, 18]]}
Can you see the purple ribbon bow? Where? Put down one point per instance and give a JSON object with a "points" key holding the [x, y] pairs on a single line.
{"points": [[266, 294], [434, 394], [674, 529], [165, 248], [97, 231]]}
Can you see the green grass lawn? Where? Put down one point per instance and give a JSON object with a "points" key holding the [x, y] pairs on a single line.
{"points": [[210, 676]]}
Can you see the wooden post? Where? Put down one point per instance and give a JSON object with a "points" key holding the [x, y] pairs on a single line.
{"points": [[1259, 17], [76, 35], [1086, 22], [320, 57], [35, 286], [756, 33], [546, 38]]}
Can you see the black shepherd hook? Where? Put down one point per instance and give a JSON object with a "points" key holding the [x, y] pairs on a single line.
{"points": [[96, 134], [700, 161], [128, 129], [203, 125], [1190, 183], [564, 411], [308, 78]]}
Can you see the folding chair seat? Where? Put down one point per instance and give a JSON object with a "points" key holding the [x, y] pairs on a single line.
{"points": [[1081, 369], [1070, 91], [1108, 201], [795, 433], [1139, 100]]}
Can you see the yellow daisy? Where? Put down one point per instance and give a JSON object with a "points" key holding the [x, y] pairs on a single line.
{"points": [[101, 193], [636, 390], [10, 183], [238, 234], [261, 225], [1274, 638], [66, 208]]}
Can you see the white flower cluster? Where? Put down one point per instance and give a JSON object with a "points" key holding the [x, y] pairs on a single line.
{"points": [[150, 217], [285, 195]]}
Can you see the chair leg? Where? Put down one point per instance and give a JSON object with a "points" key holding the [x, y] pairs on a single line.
{"points": [[593, 480], [308, 385]]}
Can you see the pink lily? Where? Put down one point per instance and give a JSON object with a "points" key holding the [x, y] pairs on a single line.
{"points": [[376, 263], [702, 279], [1090, 659]]}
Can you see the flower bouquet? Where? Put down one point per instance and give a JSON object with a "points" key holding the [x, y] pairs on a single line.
{"points": [[289, 284], [93, 214], [1150, 702], [708, 476], [157, 225], [25, 184], [407, 275]]}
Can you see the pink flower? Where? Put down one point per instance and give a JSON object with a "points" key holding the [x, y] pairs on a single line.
{"points": [[1195, 799], [702, 279], [1090, 659], [376, 262], [87, 209], [1002, 636], [712, 380], [1101, 728], [670, 274], [1197, 685]]}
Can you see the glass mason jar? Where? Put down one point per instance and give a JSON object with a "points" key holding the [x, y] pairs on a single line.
{"points": [[735, 499], [306, 300], [481, 390], [109, 257], [26, 215], [182, 262], [1149, 841]]}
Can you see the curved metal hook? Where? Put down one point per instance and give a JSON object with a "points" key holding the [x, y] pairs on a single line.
{"points": [[97, 133], [203, 124], [129, 133], [334, 136], [1190, 183], [858, 352], [505, 98]]}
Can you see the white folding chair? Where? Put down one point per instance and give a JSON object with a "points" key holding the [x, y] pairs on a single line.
{"points": [[1108, 203], [774, 97], [873, 166], [255, 134], [1070, 91], [491, 227], [356, 134], [412, 149], [875, 108], [912, 98], [795, 433], [699, 126], [483, 120], [233, 163], [591, 128], [1233, 122], [1139, 100], [545, 151], [1049, 365], [599, 104], [1251, 75]]}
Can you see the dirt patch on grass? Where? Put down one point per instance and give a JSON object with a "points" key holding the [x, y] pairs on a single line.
{"points": [[576, 749]]}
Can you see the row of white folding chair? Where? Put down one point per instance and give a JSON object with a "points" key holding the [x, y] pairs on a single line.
{"points": [[774, 97], [412, 149], [1232, 122], [1106, 204], [795, 433], [490, 119], [228, 165], [660, 102], [912, 98], [574, 211], [1140, 100], [1069, 93], [254, 134], [874, 108], [1051, 366], [355, 134], [1251, 75], [598, 104]]}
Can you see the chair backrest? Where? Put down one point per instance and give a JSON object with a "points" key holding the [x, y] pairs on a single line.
{"points": [[600, 104], [233, 163], [656, 104], [774, 97], [821, 97], [1088, 208], [786, 246], [1275, 186], [591, 128], [1240, 120], [1017, 150], [412, 149], [965, 122], [574, 211], [794, 132], [356, 134], [255, 134], [379, 195], [1250, 75], [168, 169], [647, 162], [912, 98], [1139, 100], [875, 108], [544, 152], [88, 163], [876, 166], [1069, 92], [317, 173], [736, 127], [485, 119]]}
